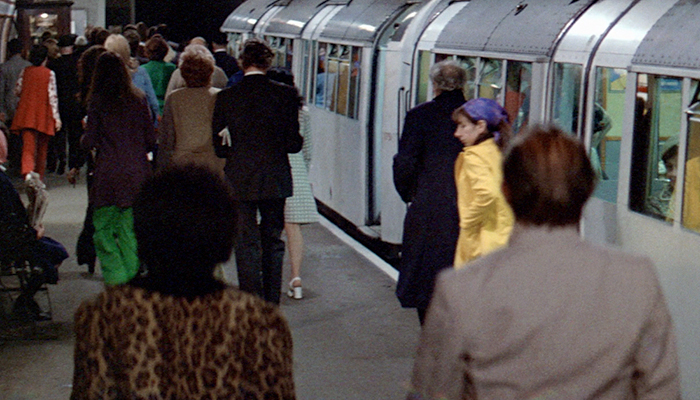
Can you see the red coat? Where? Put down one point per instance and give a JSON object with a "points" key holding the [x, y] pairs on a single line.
{"points": [[34, 109]]}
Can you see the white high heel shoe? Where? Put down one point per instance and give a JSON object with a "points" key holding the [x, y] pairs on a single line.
{"points": [[295, 292]]}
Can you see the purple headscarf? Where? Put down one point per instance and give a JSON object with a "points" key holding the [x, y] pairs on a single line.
{"points": [[487, 110]]}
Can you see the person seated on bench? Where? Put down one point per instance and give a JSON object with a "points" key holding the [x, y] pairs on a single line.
{"points": [[20, 242]]}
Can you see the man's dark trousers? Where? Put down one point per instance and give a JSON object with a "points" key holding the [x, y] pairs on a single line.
{"points": [[259, 248]]}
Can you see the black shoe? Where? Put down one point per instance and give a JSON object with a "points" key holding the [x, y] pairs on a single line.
{"points": [[27, 309], [91, 267], [61, 168]]}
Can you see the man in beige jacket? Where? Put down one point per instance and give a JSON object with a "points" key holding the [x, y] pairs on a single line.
{"points": [[549, 316]]}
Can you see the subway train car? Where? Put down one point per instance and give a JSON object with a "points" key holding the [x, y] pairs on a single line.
{"points": [[624, 75]]}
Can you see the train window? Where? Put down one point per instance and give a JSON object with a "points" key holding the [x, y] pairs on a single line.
{"points": [[517, 97], [307, 59], [608, 111], [469, 63], [284, 51], [424, 58], [655, 146], [567, 96], [490, 76], [690, 218], [343, 80], [355, 69], [338, 78], [322, 88], [235, 44]]}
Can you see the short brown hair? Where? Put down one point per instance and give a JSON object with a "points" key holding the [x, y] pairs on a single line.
{"points": [[196, 66], [156, 48], [256, 53], [547, 177]]}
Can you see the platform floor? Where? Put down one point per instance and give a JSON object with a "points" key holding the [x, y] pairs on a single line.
{"points": [[352, 340]]}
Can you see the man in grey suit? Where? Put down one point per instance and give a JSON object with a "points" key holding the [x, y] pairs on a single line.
{"points": [[550, 316], [9, 73], [262, 118]]}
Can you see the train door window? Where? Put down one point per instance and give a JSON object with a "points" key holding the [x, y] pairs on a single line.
{"points": [[656, 127], [490, 78], [567, 96], [355, 74], [343, 80], [424, 59], [690, 218], [517, 96], [469, 64], [332, 77], [608, 111]]}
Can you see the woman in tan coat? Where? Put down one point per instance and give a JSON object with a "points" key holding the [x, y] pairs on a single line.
{"points": [[185, 131]]}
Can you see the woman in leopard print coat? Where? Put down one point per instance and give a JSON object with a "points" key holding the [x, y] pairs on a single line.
{"points": [[176, 332]]}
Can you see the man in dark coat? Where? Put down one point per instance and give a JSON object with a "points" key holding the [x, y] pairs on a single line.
{"points": [[223, 60], [66, 69], [424, 177], [262, 119]]}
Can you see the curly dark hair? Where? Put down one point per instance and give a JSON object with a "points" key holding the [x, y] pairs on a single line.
{"points": [[185, 223]]}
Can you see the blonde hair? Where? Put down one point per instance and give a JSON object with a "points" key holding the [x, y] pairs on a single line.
{"points": [[118, 45], [196, 65]]}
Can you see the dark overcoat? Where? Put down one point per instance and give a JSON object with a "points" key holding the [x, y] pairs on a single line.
{"points": [[263, 119], [424, 177]]}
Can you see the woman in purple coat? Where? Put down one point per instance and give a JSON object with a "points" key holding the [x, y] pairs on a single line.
{"points": [[120, 128], [424, 177]]}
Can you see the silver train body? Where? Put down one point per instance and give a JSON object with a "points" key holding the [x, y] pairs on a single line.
{"points": [[621, 74]]}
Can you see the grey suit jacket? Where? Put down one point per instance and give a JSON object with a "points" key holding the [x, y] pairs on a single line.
{"points": [[548, 317], [9, 73]]}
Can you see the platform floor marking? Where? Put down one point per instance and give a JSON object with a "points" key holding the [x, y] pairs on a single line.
{"points": [[373, 258]]}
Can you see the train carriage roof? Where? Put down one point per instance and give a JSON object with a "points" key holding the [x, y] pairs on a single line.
{"points": [[361, 20], [292, 19], [245, 16], [513, 26], [673, 40]]}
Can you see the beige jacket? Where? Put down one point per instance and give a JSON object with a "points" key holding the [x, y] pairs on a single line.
{"points": [[548, 317]]}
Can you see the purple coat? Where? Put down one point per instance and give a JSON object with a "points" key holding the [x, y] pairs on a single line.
{"points": [[122, 138]]}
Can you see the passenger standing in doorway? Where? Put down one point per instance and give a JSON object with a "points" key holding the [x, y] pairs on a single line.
{"points": [[37, 117], [120, 129], [263, 120], [424, 177], [485, 219], [549, 316]]}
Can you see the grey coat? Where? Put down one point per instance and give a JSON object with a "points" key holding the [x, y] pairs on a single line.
{"points": [[550, 316]]}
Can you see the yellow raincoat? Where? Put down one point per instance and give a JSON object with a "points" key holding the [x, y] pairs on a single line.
{"points": [[485, 218]]}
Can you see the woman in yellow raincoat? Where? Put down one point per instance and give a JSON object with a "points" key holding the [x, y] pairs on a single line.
{"points": [[485, 218]]}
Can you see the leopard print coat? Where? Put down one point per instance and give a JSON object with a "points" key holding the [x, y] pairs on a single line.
{"points": [[137, 344]]}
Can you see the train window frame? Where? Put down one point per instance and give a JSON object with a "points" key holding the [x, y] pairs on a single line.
{"points": [[657, 129]]}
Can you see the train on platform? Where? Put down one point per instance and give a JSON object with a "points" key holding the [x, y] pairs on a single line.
{"points": [[623, 75]]}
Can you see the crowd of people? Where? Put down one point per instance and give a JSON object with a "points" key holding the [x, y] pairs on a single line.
{"points": [[192, 156]]}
